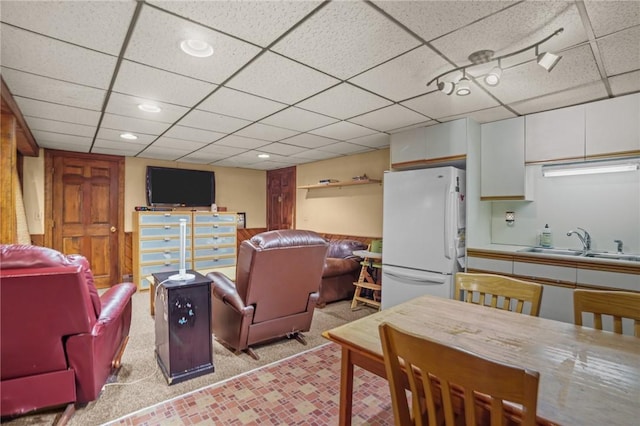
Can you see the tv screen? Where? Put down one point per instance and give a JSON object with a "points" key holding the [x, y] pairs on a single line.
{"points": [[180, 187]]}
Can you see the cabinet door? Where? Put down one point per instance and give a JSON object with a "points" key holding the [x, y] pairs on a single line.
{"points": [[555, 135], [492, 266], [613, 126], [502, 170], [447, 139], [408, 146], [557, 303]]}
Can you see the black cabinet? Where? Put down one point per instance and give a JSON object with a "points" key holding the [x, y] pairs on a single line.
{"points": [[183, 327]]}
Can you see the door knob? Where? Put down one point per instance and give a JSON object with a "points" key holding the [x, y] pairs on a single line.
{"points": [[113, 229]]}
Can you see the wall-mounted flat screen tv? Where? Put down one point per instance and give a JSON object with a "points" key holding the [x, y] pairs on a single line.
{"points": [[180, 187]]}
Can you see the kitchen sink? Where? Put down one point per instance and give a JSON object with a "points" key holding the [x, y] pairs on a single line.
{"points": [[591, 254], [557, 251], [615, 256]]}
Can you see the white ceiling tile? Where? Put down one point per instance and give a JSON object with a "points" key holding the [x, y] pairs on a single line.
{"points": [[191, 134], [80, 65], [298, 119], [388, 118], [255, 21], [53, 111], [157, 85], [414, 126], [128, 105], [609, 16], [163, 153], [625, 83], [114, 136], [241, 142], [264, 132], [229, 54], [379, 140], [164, 142], [218, 149], [437, 104], [274, 77], [573, 96], [200, 158], [315, 154], [345, 148], [64, 146], [109, 150], [345, 38], [485, 115], [577, 67], [431, 19], [403, 77], [133, 125], [51, 90], [308, 140], [232, 162], [125, 147], [268, 165], [344, 101], [99, 25], [211, 121], [239, 104], [343, 131], [35, 123], [281, 148], [49, 137], [515, 28], [620, 51]]}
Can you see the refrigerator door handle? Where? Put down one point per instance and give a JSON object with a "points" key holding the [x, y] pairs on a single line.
{"points": [[432, 280], [450, 221]]}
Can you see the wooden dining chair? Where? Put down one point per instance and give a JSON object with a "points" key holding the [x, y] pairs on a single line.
{"points": [[439, 375], [498, 291], [616, 304]]}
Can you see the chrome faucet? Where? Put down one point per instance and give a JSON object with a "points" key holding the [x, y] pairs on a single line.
{"points": [[619, 243], [584, 238]]}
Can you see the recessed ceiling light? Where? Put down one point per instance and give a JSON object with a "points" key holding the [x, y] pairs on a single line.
{"points": [[128, 136], [263, 155], [197, 48], [149, 108]]}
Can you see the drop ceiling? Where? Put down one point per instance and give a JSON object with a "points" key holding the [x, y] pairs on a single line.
{"points": [[301, 81]]}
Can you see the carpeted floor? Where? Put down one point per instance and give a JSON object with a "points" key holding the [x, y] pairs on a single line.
{"points": [[300, 390], [140, 384]]}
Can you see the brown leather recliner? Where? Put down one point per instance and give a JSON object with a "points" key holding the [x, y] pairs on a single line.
{"points": [[277, 278], [341, 270], [60, 340]]}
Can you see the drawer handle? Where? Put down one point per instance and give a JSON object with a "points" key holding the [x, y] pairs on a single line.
{"points": [[167, 263], [167, 227], [215, 226], [215, 248], [215, 237], [216, 215], [167, 215], [167, 239], [167, 255]]}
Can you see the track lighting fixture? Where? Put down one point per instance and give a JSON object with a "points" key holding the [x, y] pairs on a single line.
{"points": [[546, 60]]}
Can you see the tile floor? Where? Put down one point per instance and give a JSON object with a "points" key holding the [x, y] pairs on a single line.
{"points": [[301, 390]]}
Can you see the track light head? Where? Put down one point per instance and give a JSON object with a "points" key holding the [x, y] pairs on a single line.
{"points": [[493, 77], [463, 87], [548, 60], [446, 87]]}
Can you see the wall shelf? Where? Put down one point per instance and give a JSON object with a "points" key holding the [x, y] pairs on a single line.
{"points": [[340, 184]]}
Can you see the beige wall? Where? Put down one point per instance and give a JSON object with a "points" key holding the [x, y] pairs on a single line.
{"points": [[239, 190], [349, 210]]}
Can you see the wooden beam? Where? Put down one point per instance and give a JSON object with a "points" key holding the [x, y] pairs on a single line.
{"points": [[25, 142], [8, 180]]}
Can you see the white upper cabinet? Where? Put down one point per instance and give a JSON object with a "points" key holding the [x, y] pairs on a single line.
{"points": [[441, 143], [555, 135], [408, 146], [502, 167], [613, 126]]}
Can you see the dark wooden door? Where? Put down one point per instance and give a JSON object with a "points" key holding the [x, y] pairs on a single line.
{"points": [[86, 218], [281, 198]]}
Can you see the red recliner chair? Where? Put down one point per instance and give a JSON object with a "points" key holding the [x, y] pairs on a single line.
{"points": [[278, 274], [59, 339]]}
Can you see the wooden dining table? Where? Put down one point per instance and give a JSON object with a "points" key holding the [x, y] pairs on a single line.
{"points": [[587, 376]]}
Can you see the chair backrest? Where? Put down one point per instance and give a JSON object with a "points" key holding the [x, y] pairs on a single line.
{"points": [[499, 292], [440, 376], [278, 270], [615, 304]]}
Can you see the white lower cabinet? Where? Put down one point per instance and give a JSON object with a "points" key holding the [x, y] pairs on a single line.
{"points": [[559, 274], [494, 266], [557, 303], [606, 279]]}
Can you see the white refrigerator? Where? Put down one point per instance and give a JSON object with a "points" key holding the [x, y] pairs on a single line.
{"points": [[423, 233]]}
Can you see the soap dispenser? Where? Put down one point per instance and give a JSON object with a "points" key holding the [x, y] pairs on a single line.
{"points": [[545, 237]]}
